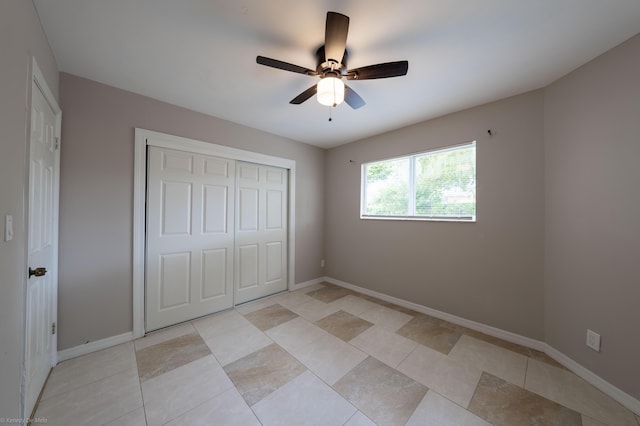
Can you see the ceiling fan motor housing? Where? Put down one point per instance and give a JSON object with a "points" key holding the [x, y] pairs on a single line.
{"points": [[330, 66]]}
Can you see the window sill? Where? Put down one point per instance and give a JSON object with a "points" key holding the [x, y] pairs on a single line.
{"points": [[464, 219]]}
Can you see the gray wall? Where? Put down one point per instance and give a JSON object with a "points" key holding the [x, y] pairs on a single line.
{"points": [[21, 37], [96, 198], [555, 249], [592, 214], [489, 271], [579, 190]]}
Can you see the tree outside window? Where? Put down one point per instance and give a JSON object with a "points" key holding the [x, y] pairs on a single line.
{"points": [[438, 184]]}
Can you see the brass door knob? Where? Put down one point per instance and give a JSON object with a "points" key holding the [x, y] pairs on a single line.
{"points": [[38, 272]]}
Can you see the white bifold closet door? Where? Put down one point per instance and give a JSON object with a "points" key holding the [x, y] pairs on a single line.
{"points": [[190, 236], [216, 234], [261, 231]]}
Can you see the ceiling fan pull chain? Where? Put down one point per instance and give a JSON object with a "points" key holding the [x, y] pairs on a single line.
{"points": [[330, 119]]}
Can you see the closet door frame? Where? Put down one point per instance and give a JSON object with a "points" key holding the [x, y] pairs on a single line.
{"points": [[144, 138]]}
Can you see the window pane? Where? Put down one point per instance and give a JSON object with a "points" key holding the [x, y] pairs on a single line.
{"points": [[387, 188], [446, 183], [439, 184]]}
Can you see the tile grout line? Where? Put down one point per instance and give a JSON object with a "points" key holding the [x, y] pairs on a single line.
{"points": [[196, 406], [88, 383], [144, 408], [316, 376], [418, 344], [551, 399], [197, 332], [126, 414], [226, 374], [209, 400], [313, 323], [311, 371], [349, 419], [407, 355], [250, 406], [356, 413], [274, 343]]}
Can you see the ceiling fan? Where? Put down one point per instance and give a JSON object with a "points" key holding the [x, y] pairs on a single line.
{"points": [[332, 67]]}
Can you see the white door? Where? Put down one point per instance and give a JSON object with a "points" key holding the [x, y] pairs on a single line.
{"points": [[261, 231], [190, 226], [42, 246]]}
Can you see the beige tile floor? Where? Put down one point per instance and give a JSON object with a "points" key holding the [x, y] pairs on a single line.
{"points": [[322, 355]]}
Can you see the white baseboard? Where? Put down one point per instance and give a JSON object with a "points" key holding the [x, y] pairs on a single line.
{"points": [[607, 388], [304, 284], [483, 328], [97, 345], [87, 348], [623, 398]]}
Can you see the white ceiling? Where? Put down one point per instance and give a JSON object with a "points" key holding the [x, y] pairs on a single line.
{"points": [[201, 54]]}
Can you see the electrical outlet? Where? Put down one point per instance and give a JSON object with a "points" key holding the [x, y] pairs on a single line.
{"points": [[593, 340], [322, 263]]}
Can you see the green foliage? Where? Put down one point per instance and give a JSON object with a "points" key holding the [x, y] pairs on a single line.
{"points": [[393, 200], [444, 185], [379, 171], [388, 189]]}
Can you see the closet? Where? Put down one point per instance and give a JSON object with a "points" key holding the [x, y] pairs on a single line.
{"points": [[216, 234]]}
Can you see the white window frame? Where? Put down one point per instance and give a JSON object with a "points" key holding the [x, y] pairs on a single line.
{"points": [[412, 178]]}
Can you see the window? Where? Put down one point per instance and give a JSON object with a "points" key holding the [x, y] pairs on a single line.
{"points": [[436, 185]]}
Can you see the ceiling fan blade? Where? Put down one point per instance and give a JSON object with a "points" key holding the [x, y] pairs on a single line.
{"points": [[352, 98], [386, 70], [304, 95], [335, 36], [274, 63]]}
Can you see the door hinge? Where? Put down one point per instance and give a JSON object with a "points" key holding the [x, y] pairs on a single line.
{"points": [[57, 143], [53, 328]]}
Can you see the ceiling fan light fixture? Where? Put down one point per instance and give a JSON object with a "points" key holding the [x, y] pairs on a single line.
{"points": [[330, 91]]}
